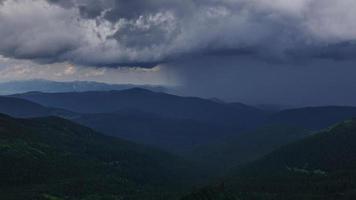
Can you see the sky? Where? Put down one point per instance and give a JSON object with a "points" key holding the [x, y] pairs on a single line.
{"points": [[300, 52]]}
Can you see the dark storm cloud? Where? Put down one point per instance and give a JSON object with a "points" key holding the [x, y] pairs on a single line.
{"points": [[147, 32]]}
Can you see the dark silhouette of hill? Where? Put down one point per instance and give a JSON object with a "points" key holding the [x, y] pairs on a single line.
{"points": [[52, 158], [319, 167], [17, 107]]}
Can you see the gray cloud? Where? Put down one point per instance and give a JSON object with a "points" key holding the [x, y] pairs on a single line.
{"points": [[148, 32]]}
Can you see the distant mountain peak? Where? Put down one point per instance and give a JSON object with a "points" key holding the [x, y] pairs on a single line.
{"points": [[15, 87], [138, 89]]}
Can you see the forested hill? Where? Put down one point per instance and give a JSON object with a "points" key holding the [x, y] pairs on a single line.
{"points": [[52, 157], [320, 167]]}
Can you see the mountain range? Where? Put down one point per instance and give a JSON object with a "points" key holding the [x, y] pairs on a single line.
{"points": [[142, 144], [41, 85], [183, 125], [167, 121], [163, 104], [174, 123]]}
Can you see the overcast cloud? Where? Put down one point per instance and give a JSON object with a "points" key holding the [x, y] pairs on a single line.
{"points": [[147, 32]]}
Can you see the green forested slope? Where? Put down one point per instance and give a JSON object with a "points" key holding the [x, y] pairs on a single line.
{"points": [[51, 157], [320, 167]]}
